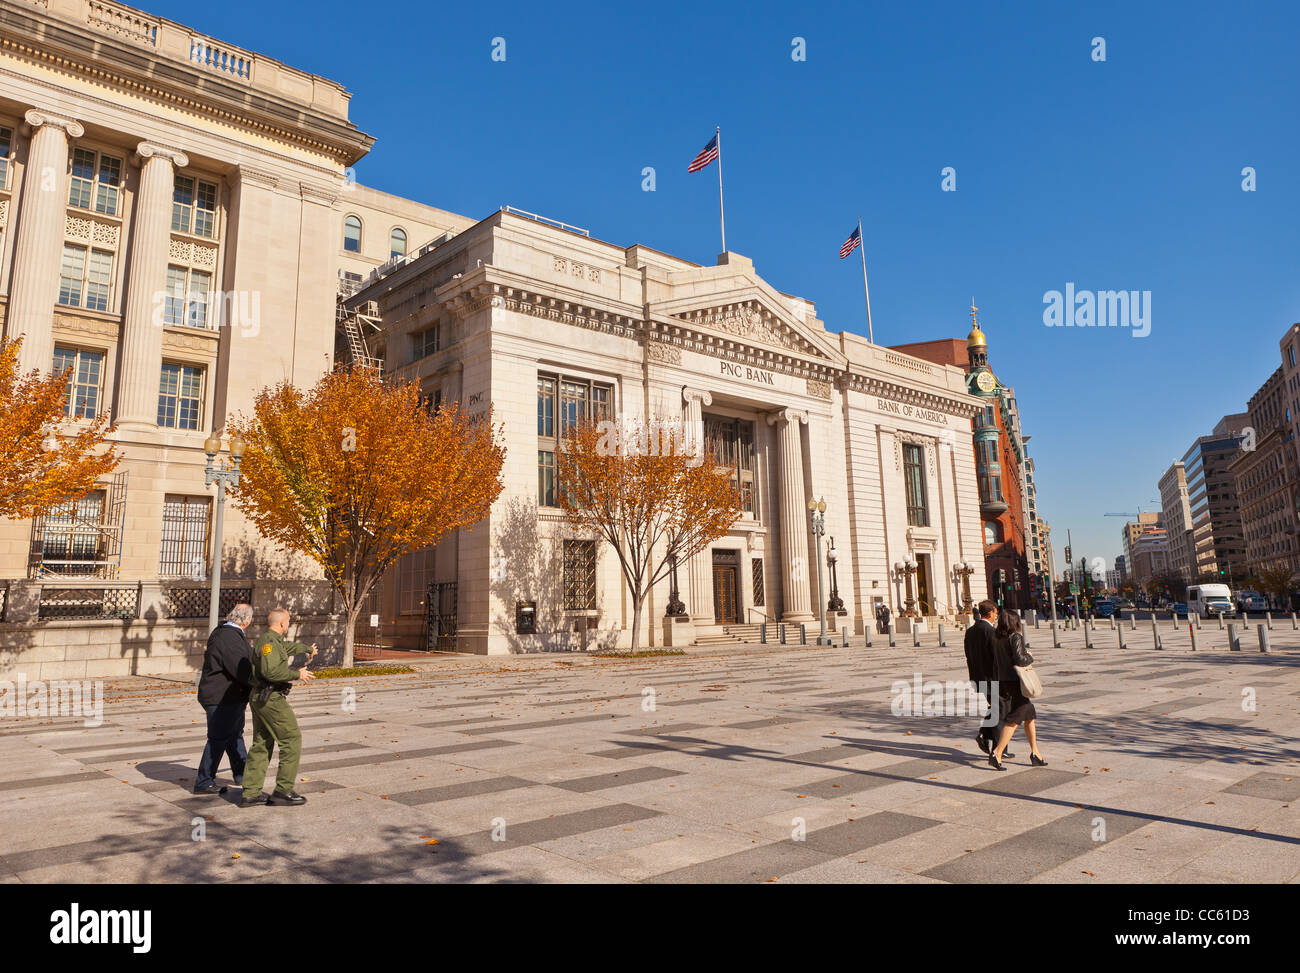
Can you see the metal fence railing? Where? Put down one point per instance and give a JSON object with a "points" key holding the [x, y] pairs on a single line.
{"points": [[118, 602], [189, 602]]}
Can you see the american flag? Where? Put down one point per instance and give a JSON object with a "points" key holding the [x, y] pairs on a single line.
{"points": [[707, 155], [852, 243]]}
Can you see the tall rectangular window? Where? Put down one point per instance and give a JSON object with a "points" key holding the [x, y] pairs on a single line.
{"points": [[96, 182], [72, 540], [186, 300], [184, 549], [6, 147], [85, 377], [545, 478], [180, 396], [918, 515], [194, 207], [573, 404], [729, 442], [579, 575], [426, 342], [85, 277]]}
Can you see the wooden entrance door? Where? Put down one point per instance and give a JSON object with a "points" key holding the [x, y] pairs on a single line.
{"points": [[924, 601], [724, 594]]}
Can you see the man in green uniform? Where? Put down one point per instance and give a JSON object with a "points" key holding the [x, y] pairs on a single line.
{"points": [[276, 663]]}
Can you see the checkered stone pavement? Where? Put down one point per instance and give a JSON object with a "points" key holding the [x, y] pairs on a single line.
{"points": [[764, 764]]}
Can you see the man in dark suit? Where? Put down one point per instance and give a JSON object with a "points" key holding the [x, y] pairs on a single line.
{"points": [[223, 694], [982, 663]]}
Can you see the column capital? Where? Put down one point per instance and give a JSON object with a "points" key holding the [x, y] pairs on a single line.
{"points": [[152, 150], [692, 395], [37, 118], [787, 415]]}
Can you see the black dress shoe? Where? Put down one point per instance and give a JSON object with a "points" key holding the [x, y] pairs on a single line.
{"points": [[253, 801], [1037, 761], [1008, 754], [208, 789], [995, 763], [982, 742], [292, 799]]}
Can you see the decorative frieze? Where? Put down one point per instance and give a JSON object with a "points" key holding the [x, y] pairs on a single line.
{"points": [[659, 351], [571, 268], [819, 390], [192, 253], [103, 233], [744, 321]]}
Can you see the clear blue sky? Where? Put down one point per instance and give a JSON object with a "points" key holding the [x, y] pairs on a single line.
{"points": [[1117, 175]]}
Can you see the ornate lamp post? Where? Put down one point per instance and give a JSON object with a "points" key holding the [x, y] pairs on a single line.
{"points": [[675, 604], [904, 570], [962, 572], [817, 513], [221, 477], [836, 603]]}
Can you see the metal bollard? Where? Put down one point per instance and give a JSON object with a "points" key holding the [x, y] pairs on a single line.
{"points": [[1087, 637], [1056, 642], [1112, 623], [1220, 622], [1133, 622], [844, 630], [1119, 633], [1268, 618], [762, 632], [916, 636], [1155, 633], [892, 643], [1191, 630], [866, 631], [1197, 616], [1233, 644], [1035, 620], [942, 643], [1263, 639], [782, 631], [1294, 623], [803, 633]]}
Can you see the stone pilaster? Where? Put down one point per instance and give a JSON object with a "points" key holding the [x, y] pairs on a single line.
{"points": [[142, 331], [699, 569], [795, 566], [38, 244]]}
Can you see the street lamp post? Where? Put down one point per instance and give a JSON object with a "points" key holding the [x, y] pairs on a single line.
{"points": [[212, 474], [817, 512], [836, 603], [904, 570], [963, 571]]}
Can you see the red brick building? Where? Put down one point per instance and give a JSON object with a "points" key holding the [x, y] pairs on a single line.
{"points": [[999, 465]]}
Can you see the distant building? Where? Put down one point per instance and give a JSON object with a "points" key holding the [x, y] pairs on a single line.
{"points": [[1134, 529], [1177, 514], [1217, 547], [1121, 568], [1150, 555], [1001, 461], [1267, 485]]}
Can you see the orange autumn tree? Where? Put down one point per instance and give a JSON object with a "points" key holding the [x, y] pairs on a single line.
{"points": [[38, 466], [355, 472], [650, 497]]}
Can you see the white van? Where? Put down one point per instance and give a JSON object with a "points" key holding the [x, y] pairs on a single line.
{"points": [[1209, 599]]}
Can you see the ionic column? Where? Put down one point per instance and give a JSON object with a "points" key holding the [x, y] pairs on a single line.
{"points": [[146, 281], [795, 568], [699, 569], [38, 244]]}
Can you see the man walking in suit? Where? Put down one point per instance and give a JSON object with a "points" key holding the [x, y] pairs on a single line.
{"points": [[982, 664], [223, 694]]}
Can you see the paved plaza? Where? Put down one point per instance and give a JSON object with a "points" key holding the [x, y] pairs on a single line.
{"points": [[764, 764]]}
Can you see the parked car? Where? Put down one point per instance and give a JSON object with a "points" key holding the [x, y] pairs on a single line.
{"points": [[1180, 608], [1104, 607], [1249, 600]]}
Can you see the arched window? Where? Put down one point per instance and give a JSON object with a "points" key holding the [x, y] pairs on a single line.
{"points": [[992, 533], [397, 243], [352, 234]]}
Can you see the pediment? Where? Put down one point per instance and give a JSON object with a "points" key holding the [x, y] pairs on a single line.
{"points": [[750, 316]]}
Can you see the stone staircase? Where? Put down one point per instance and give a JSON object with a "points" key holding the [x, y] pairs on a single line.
{"points": [[730, 635]]}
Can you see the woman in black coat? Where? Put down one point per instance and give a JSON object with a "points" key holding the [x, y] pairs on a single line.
{"points": [[1015, 707]]}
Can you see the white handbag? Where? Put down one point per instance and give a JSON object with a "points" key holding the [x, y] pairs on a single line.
{"points": [[1030, 684]]}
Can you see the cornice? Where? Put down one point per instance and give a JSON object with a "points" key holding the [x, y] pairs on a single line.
{"points": [[107, 60]]}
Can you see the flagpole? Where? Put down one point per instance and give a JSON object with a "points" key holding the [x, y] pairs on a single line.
{"points": [[862, 245], [722, 216]]}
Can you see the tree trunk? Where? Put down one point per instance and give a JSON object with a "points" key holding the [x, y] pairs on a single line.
{"points": [[350, 633], [636, 622]]}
